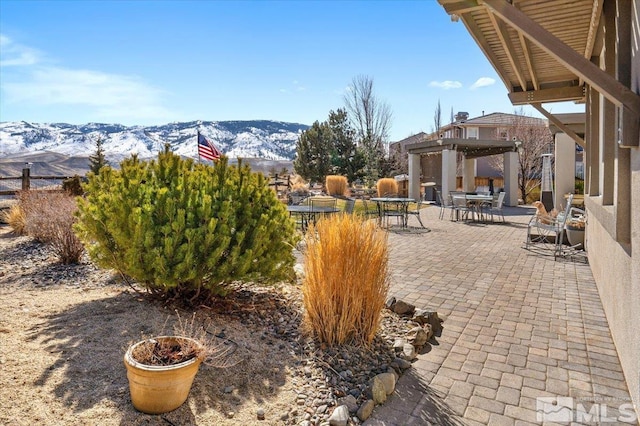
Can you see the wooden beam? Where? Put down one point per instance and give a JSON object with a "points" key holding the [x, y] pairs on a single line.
{"points": [[560, 94], [596, 11], [527, 57], [503, 36], [460, 7], [607, 85], [482, 42], [560, 125]]}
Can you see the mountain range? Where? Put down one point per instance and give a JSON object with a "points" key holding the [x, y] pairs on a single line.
{"points": [[261, 139]]}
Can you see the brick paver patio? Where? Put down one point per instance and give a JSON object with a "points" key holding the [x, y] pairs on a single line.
{"points": [[518, 326]]}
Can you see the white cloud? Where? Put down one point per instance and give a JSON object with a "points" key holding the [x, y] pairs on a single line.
{"points": [[111, 96], [482, 82], [446, 85], [12, 54]]}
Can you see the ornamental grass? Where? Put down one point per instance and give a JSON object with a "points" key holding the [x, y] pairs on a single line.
{"points": [[16, 219], [346, 280], [336, 185], [387, 186]]}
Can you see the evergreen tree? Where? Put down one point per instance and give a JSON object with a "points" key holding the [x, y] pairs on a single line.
{"points": [[347, 160], [313, 158], [97, 160]]}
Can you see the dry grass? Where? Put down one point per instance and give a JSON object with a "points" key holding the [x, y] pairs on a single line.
{"points": [[346, 280], [49, 218], [387, 186], [336, 185], [188, 340], [16, 219]]}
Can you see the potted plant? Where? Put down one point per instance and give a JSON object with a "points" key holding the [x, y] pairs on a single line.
{"points": [[574, 229], [161, 371]]}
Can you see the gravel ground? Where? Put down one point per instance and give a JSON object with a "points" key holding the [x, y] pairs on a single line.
{"points": [[65, 329]]}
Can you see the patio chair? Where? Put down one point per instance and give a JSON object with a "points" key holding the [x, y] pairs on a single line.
{"points": [[369, 209], [496, 206], [349, 204], [393, 209], [546, 233], [460, 206], [414, 209], [321, 203], [296, 198], [441, 203]]}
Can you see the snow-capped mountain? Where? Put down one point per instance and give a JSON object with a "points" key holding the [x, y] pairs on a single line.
{"points": [[271, 140]]}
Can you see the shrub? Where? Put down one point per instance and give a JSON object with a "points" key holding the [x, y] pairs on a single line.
{"points": [[336, 185], [16, 219], [49, 218], [387, 186], [186, 230], [73, 186], [346, 279]]}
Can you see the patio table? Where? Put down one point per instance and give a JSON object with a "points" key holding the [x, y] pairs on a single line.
{"points": [[476, 201], [308, 213], [400, 204]]}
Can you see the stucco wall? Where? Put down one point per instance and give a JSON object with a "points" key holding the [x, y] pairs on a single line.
{"points": [[617, 276]]}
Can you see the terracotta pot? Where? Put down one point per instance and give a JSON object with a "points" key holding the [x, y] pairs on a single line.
{"points": [[159, 389]]}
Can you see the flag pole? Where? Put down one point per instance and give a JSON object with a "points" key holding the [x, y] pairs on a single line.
{"points": [[198, 144]]}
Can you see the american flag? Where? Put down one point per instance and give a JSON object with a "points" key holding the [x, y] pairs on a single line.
{"points": [[206, 149]]}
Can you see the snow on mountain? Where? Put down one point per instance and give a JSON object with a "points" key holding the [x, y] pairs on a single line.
{"points": [[271, 140]]}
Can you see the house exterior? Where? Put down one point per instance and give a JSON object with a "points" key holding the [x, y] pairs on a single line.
{"points": [[592, 58]]}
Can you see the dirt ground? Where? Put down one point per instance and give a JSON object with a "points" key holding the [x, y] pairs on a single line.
{"points": [[64, 331]]}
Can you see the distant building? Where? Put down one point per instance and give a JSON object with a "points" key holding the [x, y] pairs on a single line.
{"points": [[495, 126]]}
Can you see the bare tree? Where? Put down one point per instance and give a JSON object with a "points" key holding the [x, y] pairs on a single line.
{"points": [[371, 118], [536, 139], [437, 118]]}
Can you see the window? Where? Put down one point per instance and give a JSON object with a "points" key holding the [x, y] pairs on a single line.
{"points": [[472, 133]]}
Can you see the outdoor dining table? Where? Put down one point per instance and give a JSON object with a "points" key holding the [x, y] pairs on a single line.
{"points": [[476, 202], [308, 213], [400, 208]]}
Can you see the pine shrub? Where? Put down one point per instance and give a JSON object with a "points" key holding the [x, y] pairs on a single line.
{"points": [[346, 279], [387, 186], [336, 185], [186, 230]]}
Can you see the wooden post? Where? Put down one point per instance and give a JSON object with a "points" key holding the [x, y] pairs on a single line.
{"points": [[26, 181]]}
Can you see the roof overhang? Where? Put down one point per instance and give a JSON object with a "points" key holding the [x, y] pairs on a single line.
{"points": [[471, 148], [542, 50]]}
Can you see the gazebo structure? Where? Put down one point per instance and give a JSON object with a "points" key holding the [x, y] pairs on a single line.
{"points": [[444, 173]]}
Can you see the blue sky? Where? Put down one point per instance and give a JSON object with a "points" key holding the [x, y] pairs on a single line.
{"points": [[154, 62]]}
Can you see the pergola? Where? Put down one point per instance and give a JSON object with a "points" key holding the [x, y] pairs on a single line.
{"points": [[471, 149]]}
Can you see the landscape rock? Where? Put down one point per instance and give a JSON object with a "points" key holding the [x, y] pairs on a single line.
{"points": [[377, 391], [389, 382], [350, 402], [408, 352], [260, 414], [365, 410], [340, 416], [402, 363], [298, 268], [418, 336], [398, 344], [390, 303], [403, 308]]}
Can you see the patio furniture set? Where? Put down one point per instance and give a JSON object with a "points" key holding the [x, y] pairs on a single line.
{"points": [[308, 210], [472, 206]]}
